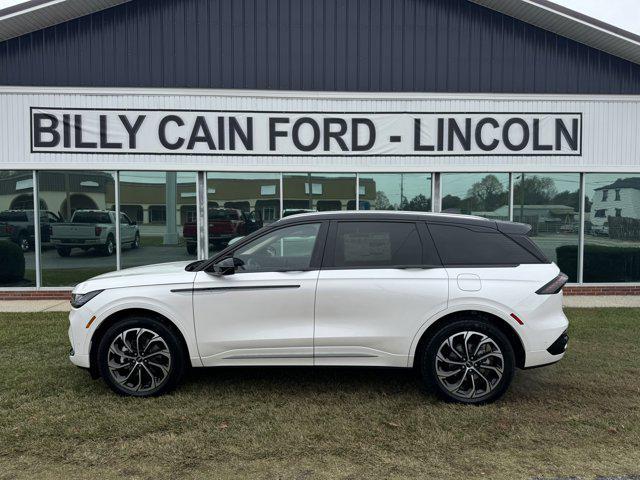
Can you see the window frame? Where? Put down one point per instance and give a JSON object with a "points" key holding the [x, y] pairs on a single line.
{"points": [[329, 260], [316, 255]]}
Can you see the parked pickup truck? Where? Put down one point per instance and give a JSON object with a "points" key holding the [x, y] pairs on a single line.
{"points": [[224, 225], [18, 226], [94, 229]]}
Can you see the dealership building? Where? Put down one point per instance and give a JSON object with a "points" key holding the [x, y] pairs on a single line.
{"points": [[174, 125]]}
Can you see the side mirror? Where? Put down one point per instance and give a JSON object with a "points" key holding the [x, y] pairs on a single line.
{"points": [[234, 240], [227, 266]]}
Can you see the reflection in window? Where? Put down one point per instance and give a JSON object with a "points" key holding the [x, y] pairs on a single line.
{"points": [[395, 191], [311, 192], [550, 203], [17, 239], [612, 228], [156, 228], [239, 204], [482, 194], [82, 243]]}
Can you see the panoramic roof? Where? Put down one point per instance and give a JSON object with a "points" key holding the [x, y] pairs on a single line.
{"points": [[35, 15]]}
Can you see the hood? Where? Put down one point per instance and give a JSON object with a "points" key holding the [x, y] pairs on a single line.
{"points": [[158, 274]]}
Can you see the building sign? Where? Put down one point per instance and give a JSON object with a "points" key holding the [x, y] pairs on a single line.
{"points": [[190, 132]]}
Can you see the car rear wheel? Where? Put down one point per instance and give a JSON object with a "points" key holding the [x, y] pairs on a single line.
{"points": [[141, 357], [24, 243], [468, 361], [109, 248], [64, 251], [136, 241]]}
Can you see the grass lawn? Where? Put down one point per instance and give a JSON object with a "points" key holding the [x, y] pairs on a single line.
{"points": [[580, 417]]}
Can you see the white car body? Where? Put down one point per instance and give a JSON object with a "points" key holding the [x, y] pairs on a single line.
{"points": [[355, 317]]}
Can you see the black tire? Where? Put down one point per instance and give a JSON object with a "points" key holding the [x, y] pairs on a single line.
{"points": [[136, 242], [175, 367], [24, 243], [63, 251], [191, 248], [472, 373], [109, 248]]}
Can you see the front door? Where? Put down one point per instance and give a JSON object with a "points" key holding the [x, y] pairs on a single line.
{"points": [[263, 313], [380, 282]]}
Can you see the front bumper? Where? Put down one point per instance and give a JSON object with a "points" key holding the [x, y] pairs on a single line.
{"points": [[78, 355]]}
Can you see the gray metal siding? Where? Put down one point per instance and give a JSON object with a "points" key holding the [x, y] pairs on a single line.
{"points": [[332, 45]]}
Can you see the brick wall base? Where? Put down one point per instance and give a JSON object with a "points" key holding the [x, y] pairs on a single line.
{"points": [[571, 290], [35, 295]]}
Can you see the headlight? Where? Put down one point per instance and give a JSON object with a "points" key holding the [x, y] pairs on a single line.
{"points": [[79, 299]]}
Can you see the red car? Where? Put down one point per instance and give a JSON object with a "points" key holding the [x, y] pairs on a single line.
{"points": [[224, 225]]}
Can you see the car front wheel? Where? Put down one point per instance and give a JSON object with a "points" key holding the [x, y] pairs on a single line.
{"points": [[141, 357], [468, 361]]}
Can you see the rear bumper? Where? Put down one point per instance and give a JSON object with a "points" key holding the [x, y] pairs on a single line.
{"points": [[560, 345]]}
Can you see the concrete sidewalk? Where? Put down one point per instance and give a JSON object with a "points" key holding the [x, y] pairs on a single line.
{"points": [[573, 301]]}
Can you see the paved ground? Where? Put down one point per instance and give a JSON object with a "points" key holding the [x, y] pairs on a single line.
{"points": [[574, 301]]}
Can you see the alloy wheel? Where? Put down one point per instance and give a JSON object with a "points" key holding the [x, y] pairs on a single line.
{"points": [[469, 364], [139, 360]]}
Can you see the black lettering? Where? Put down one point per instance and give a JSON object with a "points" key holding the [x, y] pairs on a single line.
{"points": [[221, 133], [337, 136], [537, 146], [484, 146], [132, 130], [417, 145], [39, 130], [66, 130], [77, 120], [356, 146], [162, 134], [273, 133], [463, 138], [104, 141], [200, 125], [235, 130], [516, 147], [295, 134], [440, 134], [562, 131]]}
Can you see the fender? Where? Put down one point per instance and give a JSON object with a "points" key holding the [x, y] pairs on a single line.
{"points": [[185, 327], [496, 310]]}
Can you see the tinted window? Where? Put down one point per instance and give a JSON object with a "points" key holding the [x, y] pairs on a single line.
{"points": [[377, 244], [289, 248], [91, 217], [223, 215], [13, 217], [466, 245]]}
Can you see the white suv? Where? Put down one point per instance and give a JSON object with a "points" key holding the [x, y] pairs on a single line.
{"points": [[462, 299]]}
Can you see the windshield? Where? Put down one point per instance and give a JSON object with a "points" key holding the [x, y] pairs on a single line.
{"points": [[91, 217]]}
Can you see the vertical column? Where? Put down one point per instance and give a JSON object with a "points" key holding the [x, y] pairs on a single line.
{"points": [[36, 228], [511, 197], [436, 193], [581, 229], [118, 226], [281, 194], [171, 226], [357, 191], [202, 216]]}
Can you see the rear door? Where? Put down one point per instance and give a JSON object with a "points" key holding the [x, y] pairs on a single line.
{"points": [[380, 281]]}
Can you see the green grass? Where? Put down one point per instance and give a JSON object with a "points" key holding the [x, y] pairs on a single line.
{"points": [[580, 417]]}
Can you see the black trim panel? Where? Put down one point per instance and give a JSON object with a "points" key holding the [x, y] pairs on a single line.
{"points": [[248, 287]]}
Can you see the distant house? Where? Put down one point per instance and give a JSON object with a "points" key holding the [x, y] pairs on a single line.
{"points": [[618, 199]]}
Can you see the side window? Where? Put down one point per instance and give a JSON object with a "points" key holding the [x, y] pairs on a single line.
{"points": [[462, 245], [124, 220], [377, 245], [288, 248]]}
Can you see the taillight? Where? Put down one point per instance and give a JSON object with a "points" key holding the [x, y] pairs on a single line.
{"points": [[554, 286], [98, 231]]}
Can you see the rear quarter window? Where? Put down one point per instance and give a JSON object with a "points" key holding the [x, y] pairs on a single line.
{"points": [[460, 245]]}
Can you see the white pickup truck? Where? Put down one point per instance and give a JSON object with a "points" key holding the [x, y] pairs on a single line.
{"points": [[94, 229]]}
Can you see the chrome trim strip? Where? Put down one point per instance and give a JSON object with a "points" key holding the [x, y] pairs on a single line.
{"points": [[251, 287]]}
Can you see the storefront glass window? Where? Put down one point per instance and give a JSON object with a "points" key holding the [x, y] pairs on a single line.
{"points": [[81, 234], [240, 203], [550, 203], [17, 239], [612, 228], [155, 221], [319, 192], [395, 191], [482, 194]]}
